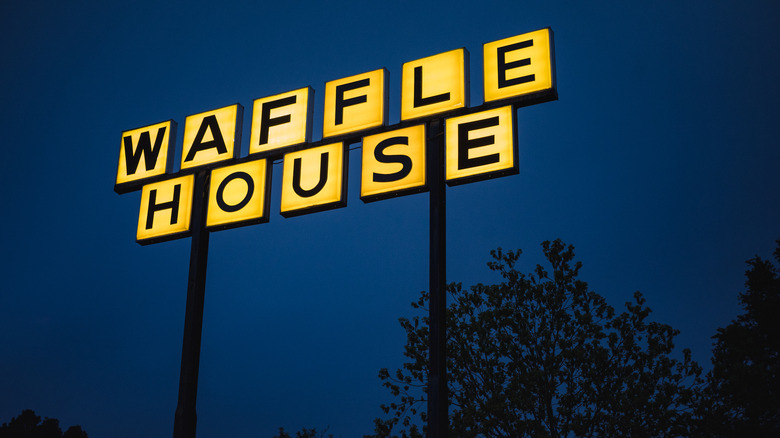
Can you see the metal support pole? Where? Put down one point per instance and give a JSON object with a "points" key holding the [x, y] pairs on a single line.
{"points": [[185, 418], [438, 416]]}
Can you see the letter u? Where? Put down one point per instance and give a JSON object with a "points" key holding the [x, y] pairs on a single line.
{"points": [[296, 179]]}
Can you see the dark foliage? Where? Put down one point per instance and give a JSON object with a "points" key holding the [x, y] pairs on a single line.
{"points": [[743, 396], [541, 355], [303, 433], [29, 425]]}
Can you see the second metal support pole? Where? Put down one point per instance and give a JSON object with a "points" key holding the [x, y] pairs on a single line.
{"points": [[438, 404]]}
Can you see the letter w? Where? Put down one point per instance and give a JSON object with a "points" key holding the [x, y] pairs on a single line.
{"points": [[133, 156]]}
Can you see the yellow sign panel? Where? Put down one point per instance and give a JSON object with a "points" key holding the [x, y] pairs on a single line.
{"points": [[145, 152], [313, 180], [212, 136], [434, 84], [519, 65], [281, 120], [480, 145], [166, 208], [393, 163], [355, 103], [238, 195]]}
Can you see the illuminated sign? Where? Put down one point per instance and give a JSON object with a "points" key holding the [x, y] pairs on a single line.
{"points": [[479, 142], [434, 84], [216, 189], [313, 180], [355, 103], [144, 153], [519, 66], [166, 208], [238, 195], [393, 163], [212, 136], [281, 120], [480, 146]]}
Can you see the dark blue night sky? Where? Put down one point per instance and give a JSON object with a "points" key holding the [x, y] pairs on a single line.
{"points": [[659, 163]]}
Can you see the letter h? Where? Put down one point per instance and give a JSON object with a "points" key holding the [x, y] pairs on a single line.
{"points": [[155, 207]]}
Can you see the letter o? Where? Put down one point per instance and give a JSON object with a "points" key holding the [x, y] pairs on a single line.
{"points": [[241, 204]]}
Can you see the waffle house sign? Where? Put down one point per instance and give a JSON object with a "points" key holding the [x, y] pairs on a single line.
{"points": [[479, 142]]}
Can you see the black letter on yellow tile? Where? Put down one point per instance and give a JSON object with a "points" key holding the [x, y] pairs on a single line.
{"points": [[419, 100], [154, 207], [250, 189], [341, 102], [133, 158], [296, 179], [266, 121], [464, 143], [209, 122], [403, 160], [503, 66]]}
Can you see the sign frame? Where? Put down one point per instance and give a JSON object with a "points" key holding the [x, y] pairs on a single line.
{"points": [[266, 201], [137, 183], [352, 132], [404, 191], [309, 121], [465, 58], [483, 176], [185, 202], [533, 98], [237, 140], [332, 205], [435, 183]]}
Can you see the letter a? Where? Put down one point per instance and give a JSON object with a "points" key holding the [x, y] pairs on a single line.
{"points": [[209, 123], [212, 136]]}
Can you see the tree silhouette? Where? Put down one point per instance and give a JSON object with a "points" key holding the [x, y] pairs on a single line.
{"points": [[303, 433], [74, 432], [541, 355], [29, 425], [743, 396]]}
